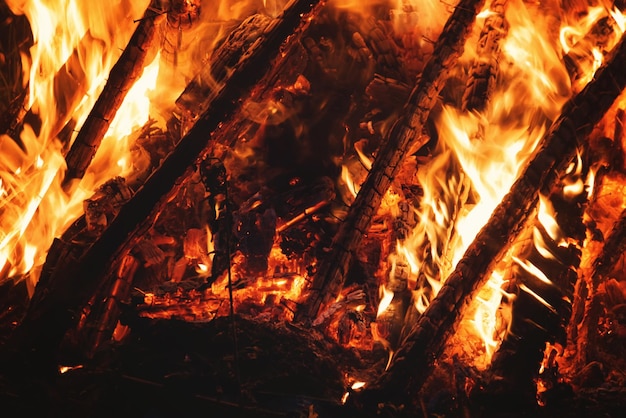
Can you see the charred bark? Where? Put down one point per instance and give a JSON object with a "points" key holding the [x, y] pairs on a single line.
{"points": [[543, 286], [484, 71], [415, 358], [580, 58], [613, 249], [123, 75], [69, 87], [402, 139], [181, 16], [196, 98], [47, 321], [220, 217]]}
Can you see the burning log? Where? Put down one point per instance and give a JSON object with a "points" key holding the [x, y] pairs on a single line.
{"points": [[613, 249], [542, 282], [123, 75], [69, 86], [608, 158], [403, 138], [484, 71], [181, 15], [220, 218], [196, 98], [582, 56], [423, 344], [119, 292], [46, 321], [397, 287]]}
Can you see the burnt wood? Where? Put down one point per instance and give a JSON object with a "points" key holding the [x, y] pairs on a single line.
{"points": [[613, 249], [484, 72], [122, 77], [515, 366], [415, 358], [404, 137]]}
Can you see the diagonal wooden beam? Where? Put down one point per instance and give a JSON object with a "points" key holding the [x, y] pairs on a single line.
{"points": [[405, 135], [414, 360]]}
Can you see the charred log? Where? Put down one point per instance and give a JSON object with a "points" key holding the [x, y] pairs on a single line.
{"points": [[181, 15], [69, 78], [197, 97], [220, 217], [613, 249], [484, 71], [15, 39], [389, 323], [542, 281], [608, 158], [404, 137], [124, 73], [421, 347], [581, 57]]}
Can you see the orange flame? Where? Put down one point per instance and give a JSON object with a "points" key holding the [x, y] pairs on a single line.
{"points": [[480, 155], [34, 207]]}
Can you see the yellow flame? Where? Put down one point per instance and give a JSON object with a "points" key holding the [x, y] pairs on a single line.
{"points": [[532, 269], [536, 296], [545, 215], [485, 318], [385, 300], [570, 35], [619, 18], [590, 183], [349, 182], [365, 160], [90, 38], [481, 154], [358, 385], [112, 158], [541, 245]]}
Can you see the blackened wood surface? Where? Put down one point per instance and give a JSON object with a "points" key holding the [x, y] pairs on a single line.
{"points": [[122, 77], [541, 309], [69, 87], [197, 96], [613, 249], [484, 71], [414, 360], [404, 136]]}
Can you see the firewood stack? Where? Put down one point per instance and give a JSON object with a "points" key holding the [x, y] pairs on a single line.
{"points": [[238, 226]]}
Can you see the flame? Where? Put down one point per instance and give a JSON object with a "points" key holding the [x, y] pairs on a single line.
{"points": [[34, 207], [75, 45], [573, 188], [480, 155], [579, 44], [350, 184], [478, 158], [570, 35], [65, 369], [422, 18], [358, 385], [385, 300], [113, 156], [365, 160], [485, 318], [546, 218]]}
